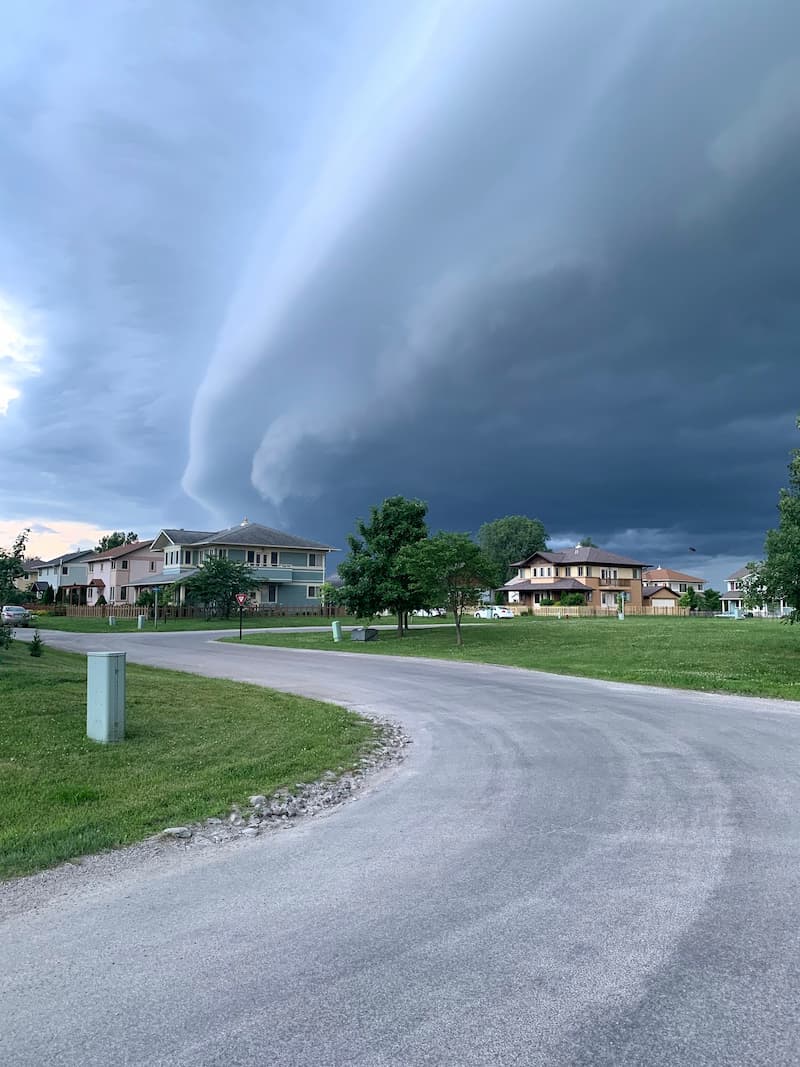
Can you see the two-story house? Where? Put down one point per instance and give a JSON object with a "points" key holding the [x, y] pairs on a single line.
{"points": [[288, 571], [733, 598], [68, 574], [116, 573], [677, 581], [598, 575]]}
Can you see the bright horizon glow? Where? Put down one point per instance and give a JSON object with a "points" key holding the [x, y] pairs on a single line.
{"points": [[18, 354]]}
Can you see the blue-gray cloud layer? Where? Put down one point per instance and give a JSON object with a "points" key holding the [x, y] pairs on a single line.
{"points": [[505, 256]]}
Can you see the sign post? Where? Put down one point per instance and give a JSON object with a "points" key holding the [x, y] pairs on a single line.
{"points": [[155, 607], [240, 599]]}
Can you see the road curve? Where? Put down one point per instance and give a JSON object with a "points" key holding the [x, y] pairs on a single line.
{"points": [[564, 871]]}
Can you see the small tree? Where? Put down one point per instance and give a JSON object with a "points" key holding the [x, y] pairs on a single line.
{"points": [[49, 595], [373, 575], [711, 600], [37, 645], [451, 569], [115, 539], [12, 566], [505, 541], [216, 583], [689, 599]]}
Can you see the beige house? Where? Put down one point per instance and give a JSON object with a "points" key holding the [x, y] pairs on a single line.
{"points": [[601, 577], [114, 574], [662, 599]]}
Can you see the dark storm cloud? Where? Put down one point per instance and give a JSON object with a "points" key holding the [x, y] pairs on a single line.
{"points": [[506, 257]]}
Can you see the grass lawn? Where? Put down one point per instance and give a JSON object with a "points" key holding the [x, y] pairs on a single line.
{"points": [[90, 625], [194, 746], [749, 656]]}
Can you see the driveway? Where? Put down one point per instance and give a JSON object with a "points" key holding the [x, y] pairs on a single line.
{"points": [[563, 871]]}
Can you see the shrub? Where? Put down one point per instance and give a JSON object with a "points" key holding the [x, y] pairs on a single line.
{"points": [[6, 635], [36, 645], [101, 601], [569, 600], [546, 602]]}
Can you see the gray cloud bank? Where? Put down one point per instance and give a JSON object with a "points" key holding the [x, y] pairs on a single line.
{"points": [[503, 256]]}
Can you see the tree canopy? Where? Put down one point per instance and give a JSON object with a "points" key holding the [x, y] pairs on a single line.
{"points": [[217, 582], [115, 539], [587, 542], [373, 577], [12, 567], [711, 600], [448, 568], [504, 541], [777, 577]]}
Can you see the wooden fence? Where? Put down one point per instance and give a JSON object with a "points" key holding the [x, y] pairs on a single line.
{"points": [[583, 612], [171, 611]]}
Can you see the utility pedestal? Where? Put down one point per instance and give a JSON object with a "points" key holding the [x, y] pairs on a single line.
{"points": [[105, 696]]}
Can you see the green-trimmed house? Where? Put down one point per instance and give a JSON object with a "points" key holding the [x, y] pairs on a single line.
{"points": [[288, 570]]}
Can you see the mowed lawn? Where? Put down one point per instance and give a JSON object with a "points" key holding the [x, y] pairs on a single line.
{"points": [[749, 656], [194, 747]]}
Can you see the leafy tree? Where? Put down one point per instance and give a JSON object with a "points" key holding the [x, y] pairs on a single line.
{"points": [[448, 568], [711, 600], [778, 576], [12, 566], [373, 577], [216, 583], [115, 540], [690, 599], [507, 540], [587, 542]]}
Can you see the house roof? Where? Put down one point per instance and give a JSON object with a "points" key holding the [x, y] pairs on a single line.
{"points": [[70, 557], [651, 590], [120, 550], [98, 583], [41, 587], [181, 536], [581, 554], [561, 585], [32, 564], [741, 573], [664, 574], [163, 579], [253, 533]]}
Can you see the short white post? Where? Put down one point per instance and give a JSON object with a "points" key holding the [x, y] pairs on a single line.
{"points": [[105, 696]]}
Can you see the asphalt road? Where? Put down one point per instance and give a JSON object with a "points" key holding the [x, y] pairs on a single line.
{"points": [[564, 871]]}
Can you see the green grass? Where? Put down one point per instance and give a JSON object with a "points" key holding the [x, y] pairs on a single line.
{"points": [[752, 656], [194, 746], [72, 624]]}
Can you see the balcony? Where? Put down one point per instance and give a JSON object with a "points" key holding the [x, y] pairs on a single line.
{"points": [[616, 583]]}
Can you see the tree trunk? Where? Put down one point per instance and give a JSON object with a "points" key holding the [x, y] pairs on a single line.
{"points": [[459, 639], [399, 623]]}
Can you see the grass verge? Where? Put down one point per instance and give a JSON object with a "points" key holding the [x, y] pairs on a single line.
{"points": [[194, 746], [752, 657], [72, 624]]}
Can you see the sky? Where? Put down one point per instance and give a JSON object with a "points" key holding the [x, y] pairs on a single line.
{"points": [[507, 256]]}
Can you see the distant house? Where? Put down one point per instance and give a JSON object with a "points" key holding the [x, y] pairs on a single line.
{"points": [[600, 576], [68, 574], [675, 580], [27, 583], [288, 571], [661, 598], [733, 599], [115, 574]]}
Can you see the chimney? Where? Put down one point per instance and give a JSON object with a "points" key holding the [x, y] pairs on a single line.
{"points": [[245, 521]]}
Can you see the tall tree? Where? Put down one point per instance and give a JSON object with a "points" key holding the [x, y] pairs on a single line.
{"points": [[689, 599], [12, 566], [778, 576], [587, 542], [216, 583], [510, 539], [116, 539], [448, 568], [373, 577], [711, 600]]}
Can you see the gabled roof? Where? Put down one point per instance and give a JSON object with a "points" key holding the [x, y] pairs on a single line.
{"points": [[120, 550], [253, 533], [741, 573], [582, 554], [664, 574], [651, 590], [32, 564], [70, 557], [179, 537], [562, 585]]}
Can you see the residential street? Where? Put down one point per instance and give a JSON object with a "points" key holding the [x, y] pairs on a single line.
{"points": [[563, 871]]}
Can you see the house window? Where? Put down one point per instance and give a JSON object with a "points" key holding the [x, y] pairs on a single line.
{"points": [[588, 572], [681, 587], [312, 592], [636, 572], [608, 573], [313, 559], [568, 572], [272, 594], [258, 559], [273, 559], [187, 557], [152, 564], [113, 564], [65, 570], [549, 571], [89, 593], [123, 593], [91, 568], [556, 572], [580, 572], [124, 564], [251, 557]]}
